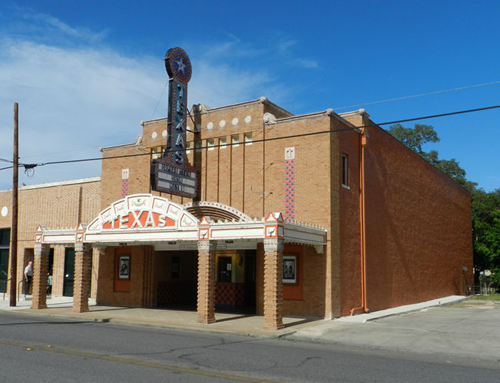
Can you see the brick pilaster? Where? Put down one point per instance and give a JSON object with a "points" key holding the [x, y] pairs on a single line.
{"points": [[81, 283], [40, 269], [206, 282], [273, 283], [103, 281]]}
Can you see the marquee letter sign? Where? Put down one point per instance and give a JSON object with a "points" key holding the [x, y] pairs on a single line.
{"points": [[172, 173]]}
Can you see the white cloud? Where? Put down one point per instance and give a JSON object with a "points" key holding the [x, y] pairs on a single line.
{"points": [[74, 100], [283, 46], [48, 22], [307, 63]]}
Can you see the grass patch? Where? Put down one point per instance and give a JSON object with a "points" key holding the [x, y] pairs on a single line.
{"points": [[491, 297]]}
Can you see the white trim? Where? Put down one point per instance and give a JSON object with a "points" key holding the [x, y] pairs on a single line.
{"points": [[354, 112], [218, 205], [186, 231]]}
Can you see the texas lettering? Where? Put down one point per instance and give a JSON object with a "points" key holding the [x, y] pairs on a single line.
{"points": [[139, 219]]}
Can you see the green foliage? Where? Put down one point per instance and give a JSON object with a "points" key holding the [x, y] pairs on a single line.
{"points": [[492, 297], [486, 231], [485, 206], [414, 137]]}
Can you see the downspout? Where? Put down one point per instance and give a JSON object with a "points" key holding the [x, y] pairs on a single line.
{"points": [[362, 220], [362, 226]]}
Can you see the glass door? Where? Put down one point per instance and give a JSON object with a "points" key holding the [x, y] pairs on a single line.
{"points": [[69, 271], [4, 258]]}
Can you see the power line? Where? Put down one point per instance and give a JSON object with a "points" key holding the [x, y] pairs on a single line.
{"points": [[31, 166], [442, 115], [419, 95]]}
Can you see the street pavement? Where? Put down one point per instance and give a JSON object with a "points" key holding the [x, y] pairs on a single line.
{"points": [[59, 350], [451, 329]]}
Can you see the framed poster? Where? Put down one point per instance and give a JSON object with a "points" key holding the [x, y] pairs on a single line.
{"points": [[124, 267], [290, 269]]}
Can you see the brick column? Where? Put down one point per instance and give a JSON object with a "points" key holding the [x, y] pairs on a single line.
{"points": [[273, 283], [81, 283], [40, 269], [206, 281]]}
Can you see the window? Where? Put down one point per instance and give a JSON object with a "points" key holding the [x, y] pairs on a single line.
{"points": [[224, 269], [198, 145], [5, 238], [157, 152], [235, 140], [248, 138], [222, 143], [210, 144], [345, 171], [189, 147]]}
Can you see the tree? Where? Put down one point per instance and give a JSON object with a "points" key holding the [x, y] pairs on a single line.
{"points": [[486, 231], [415, 138], [485, 206]]}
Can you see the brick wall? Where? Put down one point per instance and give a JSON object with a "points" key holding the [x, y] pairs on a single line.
{"points": [[55, 206], [350, 285], [141, 284], [251, 177], [417, 219], [418, 227]]}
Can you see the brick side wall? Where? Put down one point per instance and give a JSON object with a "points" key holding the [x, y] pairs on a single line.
{"points": [[350, 285], [418, 227]]}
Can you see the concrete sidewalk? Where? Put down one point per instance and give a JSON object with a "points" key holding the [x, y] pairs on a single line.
{"points": [[235, 323], [465, 331], [226, 322]]}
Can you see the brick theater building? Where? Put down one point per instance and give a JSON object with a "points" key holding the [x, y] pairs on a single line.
{"points": [[317, 215]]}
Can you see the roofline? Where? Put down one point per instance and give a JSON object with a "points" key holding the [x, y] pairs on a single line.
{"points": [[142, 123], [353, 112], [327, 112], [265, 100], [260, 100], [58, 183], [136, 143], [302, 116]]}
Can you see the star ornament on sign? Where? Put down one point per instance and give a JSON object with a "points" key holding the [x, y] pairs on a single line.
{"points": [[178, 65]]}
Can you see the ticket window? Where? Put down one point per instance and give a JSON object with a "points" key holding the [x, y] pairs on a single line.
{"points": [[224, 269]]}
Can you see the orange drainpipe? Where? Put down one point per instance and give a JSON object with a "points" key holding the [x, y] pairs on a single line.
{"points": [[362, 226]]}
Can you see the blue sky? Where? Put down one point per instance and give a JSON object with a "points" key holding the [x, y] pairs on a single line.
{"points": [[85, 73]]}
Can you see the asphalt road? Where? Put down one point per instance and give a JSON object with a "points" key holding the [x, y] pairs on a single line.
{"points": [[43, 349]]}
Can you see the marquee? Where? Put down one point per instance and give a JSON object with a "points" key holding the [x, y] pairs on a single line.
{"points": [[154, 220]]}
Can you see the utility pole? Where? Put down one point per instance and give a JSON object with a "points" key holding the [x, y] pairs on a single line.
{"points": [[13, 234]]}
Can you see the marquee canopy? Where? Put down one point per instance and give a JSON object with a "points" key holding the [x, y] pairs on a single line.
{"points": [[146, 219]]}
